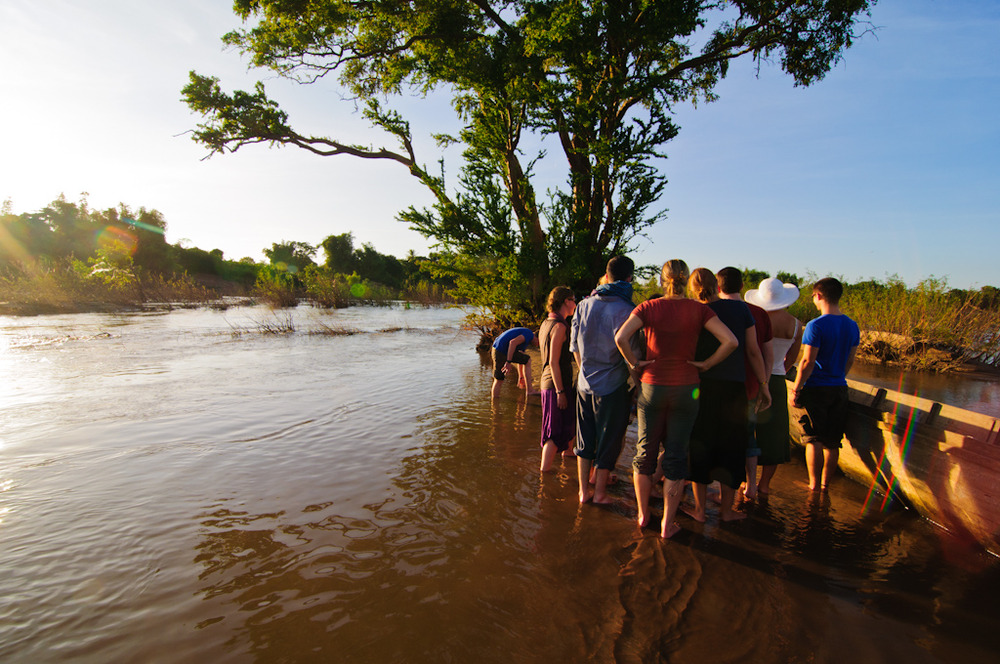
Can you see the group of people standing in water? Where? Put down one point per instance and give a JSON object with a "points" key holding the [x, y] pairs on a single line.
{"points": [[707, 369]]}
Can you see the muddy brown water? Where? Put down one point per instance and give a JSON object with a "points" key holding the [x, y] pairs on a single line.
{"points": [[181, 487]]}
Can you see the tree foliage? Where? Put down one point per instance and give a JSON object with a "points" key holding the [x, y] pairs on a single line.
{"points": [[293, 256], [598, 78], [64, 230]]}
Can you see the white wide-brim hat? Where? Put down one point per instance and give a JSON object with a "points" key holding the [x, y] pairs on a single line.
{"points": [[772, 294]]}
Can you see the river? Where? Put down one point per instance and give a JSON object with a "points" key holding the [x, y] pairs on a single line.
{"points": [[195, 485]]}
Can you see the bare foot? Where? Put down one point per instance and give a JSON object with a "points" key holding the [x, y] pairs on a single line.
{"points": [[693, 513], [733, 515], [603, 500], [670, 530], [642, 521], [584, 499]]}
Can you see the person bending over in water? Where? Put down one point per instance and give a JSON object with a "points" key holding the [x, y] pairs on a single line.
{"points": [[508, 350], [558, 391], [669, 386]]}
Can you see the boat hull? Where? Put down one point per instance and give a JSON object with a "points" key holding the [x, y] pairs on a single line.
{"points": [[942, 461]]}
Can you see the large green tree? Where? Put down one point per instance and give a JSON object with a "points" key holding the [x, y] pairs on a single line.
{"points": [[294, 256], [597, 78], [339, 251]]}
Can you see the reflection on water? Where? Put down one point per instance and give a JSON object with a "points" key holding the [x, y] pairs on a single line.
{"points": [[979, 393], [171, 491]]}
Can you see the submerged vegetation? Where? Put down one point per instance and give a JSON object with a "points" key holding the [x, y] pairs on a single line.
{"points": [[41, 288]]}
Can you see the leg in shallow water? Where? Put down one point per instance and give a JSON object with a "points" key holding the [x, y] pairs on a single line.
{"points": [[830, 459], [643, 485], [549, 451], [766, 474], [814, 464], [672, 492], [583, 475], [700, 492], [728, 513], [750, 488], [524, 378], [601, 497]]}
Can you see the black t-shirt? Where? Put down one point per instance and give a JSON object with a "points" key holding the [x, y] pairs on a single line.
{"points": [[737, 317]]}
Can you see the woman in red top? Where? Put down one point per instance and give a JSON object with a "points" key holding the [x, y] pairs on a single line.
{"points": [[669, 380]]}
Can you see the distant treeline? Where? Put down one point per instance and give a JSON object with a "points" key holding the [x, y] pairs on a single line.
{"points": [[79, 251], [68, 257]]}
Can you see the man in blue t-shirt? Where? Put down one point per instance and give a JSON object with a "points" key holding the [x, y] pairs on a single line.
{"points": [[828, 346], [508, 350]]}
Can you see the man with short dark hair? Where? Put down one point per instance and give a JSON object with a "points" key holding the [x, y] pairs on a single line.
{"points": [[829, 344], [604, 400], [730, 285]]}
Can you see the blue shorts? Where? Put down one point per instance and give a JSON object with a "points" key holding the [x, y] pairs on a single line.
{"points": [[601, 423]]}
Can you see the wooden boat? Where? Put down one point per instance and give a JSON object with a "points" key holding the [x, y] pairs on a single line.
{"points": [[942, 461]]}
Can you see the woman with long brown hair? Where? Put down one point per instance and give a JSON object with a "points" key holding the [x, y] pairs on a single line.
{"points": [[556, 383], [719, 436]]}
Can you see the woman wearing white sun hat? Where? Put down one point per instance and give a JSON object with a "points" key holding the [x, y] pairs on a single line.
{"points": [[772, 425]]}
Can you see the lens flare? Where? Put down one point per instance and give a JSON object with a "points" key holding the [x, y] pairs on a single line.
{"points": [[110, 236], [13, 247], [143, 226], [884, 469]]}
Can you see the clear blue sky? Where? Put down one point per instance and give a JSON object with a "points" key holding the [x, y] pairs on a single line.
{"points": [[891, 165]]}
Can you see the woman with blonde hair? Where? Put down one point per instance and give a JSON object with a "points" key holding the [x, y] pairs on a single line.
{"points": [[775, 297], [669, 384], [556, 383]]}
